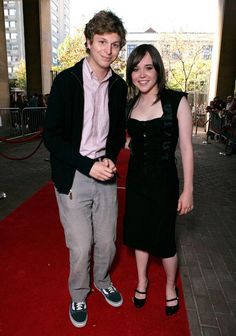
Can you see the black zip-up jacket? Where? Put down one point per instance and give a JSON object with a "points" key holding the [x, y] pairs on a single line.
{"points": [[64, 122]]}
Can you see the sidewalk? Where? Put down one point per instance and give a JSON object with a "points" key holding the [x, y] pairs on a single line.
{"points": [[207, 243], [206, 237]]}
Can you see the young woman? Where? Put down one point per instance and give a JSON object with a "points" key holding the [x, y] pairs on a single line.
{"points": [[157, 119]]}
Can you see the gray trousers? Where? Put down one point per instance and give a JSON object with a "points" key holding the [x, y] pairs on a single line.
{"points": [[89, 216]]}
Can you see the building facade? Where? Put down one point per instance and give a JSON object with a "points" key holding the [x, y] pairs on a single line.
{"points": [[164, 40], [60, 24], [14, 28]]}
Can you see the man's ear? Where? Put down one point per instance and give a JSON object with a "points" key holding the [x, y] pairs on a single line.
{"points": [[88, 43]]}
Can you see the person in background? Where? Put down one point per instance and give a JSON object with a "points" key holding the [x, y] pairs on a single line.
{"points": [[157, 118], [41, 101], [84, 131], [33, 101]]}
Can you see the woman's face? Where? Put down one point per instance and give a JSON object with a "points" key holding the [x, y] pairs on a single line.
{"points": [[144, 75]]}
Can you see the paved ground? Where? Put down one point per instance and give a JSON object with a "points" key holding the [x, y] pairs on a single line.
{"points": [[206, 237]]}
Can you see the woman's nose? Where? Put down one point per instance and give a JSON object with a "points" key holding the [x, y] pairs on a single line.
{"points": [[142, 73]]}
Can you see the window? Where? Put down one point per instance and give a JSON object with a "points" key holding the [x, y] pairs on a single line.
{"points": [[54, 28], [12, 11], [14, 47], [54, 17], [12, 24], [207, 51], [54, 6], [175, 55], [54, 39], [13, 36], [54, 60], [130, 48]]}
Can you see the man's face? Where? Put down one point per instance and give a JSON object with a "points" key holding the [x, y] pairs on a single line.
{"points": [[104, 49]]}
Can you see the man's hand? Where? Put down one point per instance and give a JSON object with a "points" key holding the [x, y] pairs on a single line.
{"points": [[103, 170]]}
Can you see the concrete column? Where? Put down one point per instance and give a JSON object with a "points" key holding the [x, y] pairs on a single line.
{"points": [[223, 75], [37, 31], [46, 44], [4, 86], [227, 63]]}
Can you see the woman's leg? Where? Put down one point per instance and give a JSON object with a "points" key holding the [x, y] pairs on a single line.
{"points": [[170, 266], [141, 263]]}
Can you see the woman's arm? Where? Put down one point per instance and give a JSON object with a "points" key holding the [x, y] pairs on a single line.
{"points": [[184, 116]]}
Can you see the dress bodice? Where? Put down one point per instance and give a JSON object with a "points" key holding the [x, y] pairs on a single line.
{"points": [[146, 139], [155, 140]]}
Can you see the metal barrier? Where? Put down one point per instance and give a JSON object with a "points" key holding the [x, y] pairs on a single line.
{"points": [[216, 123], [199, 120], [10, 122], [14, 122], [32, 119]]}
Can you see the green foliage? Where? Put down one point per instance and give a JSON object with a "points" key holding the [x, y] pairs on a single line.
{"points": [[119, 66], [70, 51], [20, 73]]}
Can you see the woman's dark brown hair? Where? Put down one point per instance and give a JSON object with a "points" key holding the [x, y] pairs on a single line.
{"points": [[135, 57]]}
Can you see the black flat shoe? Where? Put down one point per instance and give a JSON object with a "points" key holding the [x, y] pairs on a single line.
{"points": [[171, 310], [139, 303]]}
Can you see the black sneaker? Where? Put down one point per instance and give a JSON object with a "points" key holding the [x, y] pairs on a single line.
{"points": [[112, 296], [78, 314]]}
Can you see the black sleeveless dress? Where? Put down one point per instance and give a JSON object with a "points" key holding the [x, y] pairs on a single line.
{"points": [[152, 184]]}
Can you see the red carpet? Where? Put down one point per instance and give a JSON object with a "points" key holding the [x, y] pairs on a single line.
{"points": [[34, 271]]}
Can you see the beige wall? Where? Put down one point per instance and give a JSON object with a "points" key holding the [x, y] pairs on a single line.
{"points": [[227, 62], [223, 74], [37, 28]]}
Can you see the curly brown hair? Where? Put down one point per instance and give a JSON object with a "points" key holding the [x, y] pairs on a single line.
{"points": [[105, 22]]}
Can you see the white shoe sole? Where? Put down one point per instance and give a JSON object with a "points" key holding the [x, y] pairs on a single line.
{"points": [[78, 324], [111, 303]]}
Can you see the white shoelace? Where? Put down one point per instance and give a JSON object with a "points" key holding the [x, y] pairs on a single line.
{"points": [[78, 305], [110, 290]]}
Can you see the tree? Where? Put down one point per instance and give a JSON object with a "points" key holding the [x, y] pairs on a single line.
{"points": [[186, 67], [70, 51], [20, 73]]}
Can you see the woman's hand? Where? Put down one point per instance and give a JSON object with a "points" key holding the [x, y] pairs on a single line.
{"points": [[185, 203]]}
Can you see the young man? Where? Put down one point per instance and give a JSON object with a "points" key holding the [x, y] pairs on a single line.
{"points": [[84, 131]]}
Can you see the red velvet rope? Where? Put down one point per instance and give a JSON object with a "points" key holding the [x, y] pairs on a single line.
{"points": [[15, 141], [26, 139]]}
